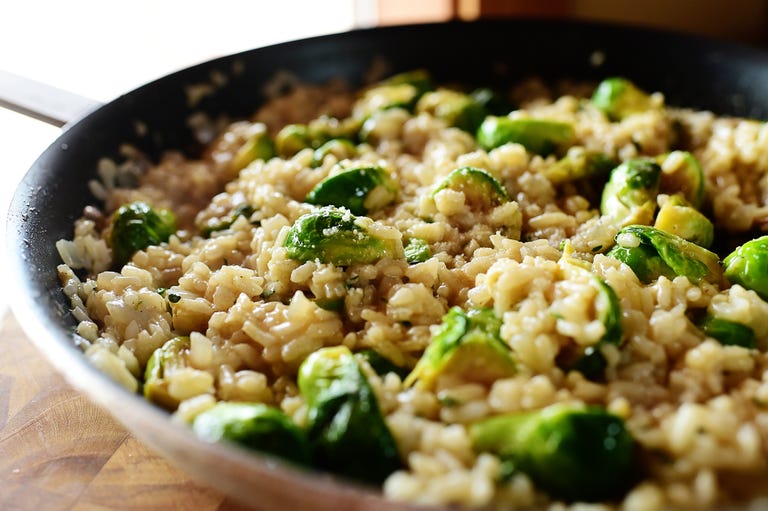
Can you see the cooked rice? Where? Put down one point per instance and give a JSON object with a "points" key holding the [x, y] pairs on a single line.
{"points": [[699, 408]]}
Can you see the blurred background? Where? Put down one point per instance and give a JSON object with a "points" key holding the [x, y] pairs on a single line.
{"points": [[102, 49]]}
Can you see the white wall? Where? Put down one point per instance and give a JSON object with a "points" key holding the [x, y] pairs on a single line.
{"points": [[101, 48]]}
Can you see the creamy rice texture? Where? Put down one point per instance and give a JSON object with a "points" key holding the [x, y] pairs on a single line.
{"points": [[696, 407]]}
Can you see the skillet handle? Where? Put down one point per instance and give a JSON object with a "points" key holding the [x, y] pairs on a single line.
{"points": [[41, 101]]}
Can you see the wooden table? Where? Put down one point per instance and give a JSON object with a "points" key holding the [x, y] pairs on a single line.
{"points": [[59, 451]]}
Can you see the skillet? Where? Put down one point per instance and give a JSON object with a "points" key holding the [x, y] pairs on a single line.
{"points": [[691, 71]]}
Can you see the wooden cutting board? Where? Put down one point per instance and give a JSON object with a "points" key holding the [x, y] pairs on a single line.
{"points": [[59, 451]]}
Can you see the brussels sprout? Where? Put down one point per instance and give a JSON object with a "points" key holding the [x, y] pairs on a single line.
{"points": [[419, 78], [728, 332], [678, 217], [682, 174], [339, 147], [480, 188], [361, 190], [467, 345], [169, 356], [291, 139], [215, 224], [345, 427], [539, 136], [609, 311], [578, 454], [136, 226], [494, 102], [652, 253], [333, 235], [255, 426], [592, 362], [579, 163], [324, 129], [619, 98], [629, 196], [644, 261], [455, 108], [402, 90], [381, 364], [748, 266], [258, 146], [385, 97], [417, 251], [383, 125]]}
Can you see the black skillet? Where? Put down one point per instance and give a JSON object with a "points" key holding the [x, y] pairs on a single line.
{"points": [[691, 71]]}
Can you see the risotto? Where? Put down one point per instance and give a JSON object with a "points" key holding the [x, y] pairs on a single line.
{"points": [[527, 298]]}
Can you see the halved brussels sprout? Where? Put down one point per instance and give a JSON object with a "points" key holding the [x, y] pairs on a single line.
{"points": [[619, 98], [361, 190], [579, 163], [258, 146], [629, 196], [387, 96], [255, 426], [479, 187], [291, 139], [592, 362], [402, 90], [678, 217], [728, 332], [381, 364], [682, 173], [643, 260], [136, 226], [539, 136], [383, 125], [748, 266], [324, 129], [609, 311], [169, 356], [419, 78], [574, 453], [341, 148], [467, 345], [333, 235], [652, 253], [345, 426], [455, 108]]}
